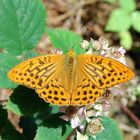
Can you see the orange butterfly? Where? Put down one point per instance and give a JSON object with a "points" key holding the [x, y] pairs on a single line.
{"points": [[70, 79]]}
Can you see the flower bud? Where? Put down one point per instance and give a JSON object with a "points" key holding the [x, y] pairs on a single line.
{"points": [[94, 126]]}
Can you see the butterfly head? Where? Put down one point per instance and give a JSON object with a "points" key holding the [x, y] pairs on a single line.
{"points": [[71, 53]]}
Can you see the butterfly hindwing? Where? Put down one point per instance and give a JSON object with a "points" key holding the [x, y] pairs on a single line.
{"points": [[54, 93], [86, 93], [69, 79]]}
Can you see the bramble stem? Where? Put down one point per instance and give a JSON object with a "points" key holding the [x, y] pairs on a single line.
{"points": [[131, 115]]}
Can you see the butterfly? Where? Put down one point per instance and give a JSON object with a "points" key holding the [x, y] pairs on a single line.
{"points": [[70, 80]]}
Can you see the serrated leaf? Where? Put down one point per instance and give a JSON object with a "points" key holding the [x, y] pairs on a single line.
{"points": [[25, 101], [3, 117], [28, 126], [136, 20], [45, 133], [136, 91], [65, 39], [110, 131], [119, 20], [22, 24], [9, 133], [126, 39], [30, 54], [53, 127], [129, 6], [7, 61], [41, 116]]}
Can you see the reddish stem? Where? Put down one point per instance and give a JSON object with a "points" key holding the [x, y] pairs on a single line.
{"points": [[71, 135], [1, 101], [131, 115]]}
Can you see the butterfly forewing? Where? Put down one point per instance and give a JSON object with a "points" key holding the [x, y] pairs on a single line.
{"points": [[36, 72], [104, 72], [69, 79]]}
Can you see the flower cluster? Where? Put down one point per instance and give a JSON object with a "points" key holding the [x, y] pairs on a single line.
{"points": [[101, 47], [86, 119]]}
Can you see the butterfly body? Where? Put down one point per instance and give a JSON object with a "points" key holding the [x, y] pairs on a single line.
{"points": [[69, 70], [70, 79]]}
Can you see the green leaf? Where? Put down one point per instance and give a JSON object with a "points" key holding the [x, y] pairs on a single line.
{"points": [[65, 40], [25, 101], [7, 62], [3, 117], [44, 133], [30, 54], [119, 21], [126, 39], [41, 116], [9, 133], [110, 1], [22, 24], [60, 132], [28, 126], [128, 6], [136, 20], [110, 131], [136, 91]]}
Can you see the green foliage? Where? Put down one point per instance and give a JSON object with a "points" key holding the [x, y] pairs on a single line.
{"points": [[119, 21], [57, 129], [65, 39], [122, 19], [126, 39], [44, 133], [7, 61], [7, 131], [136, 20], [130, 6], [33, 103], [110, 131], [30, 131], [3, 117], [21, 26], [110, 1], [136, 91]]}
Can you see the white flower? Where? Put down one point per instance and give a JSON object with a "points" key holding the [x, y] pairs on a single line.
{"points": [[101, 47], [85, 44], [82, 127], [78, 117], [56, 51], [106, 105], [104, 43], [99, 109], [75, 122], [118, 54], [96, 44], [90, 51], [79, 136]]}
